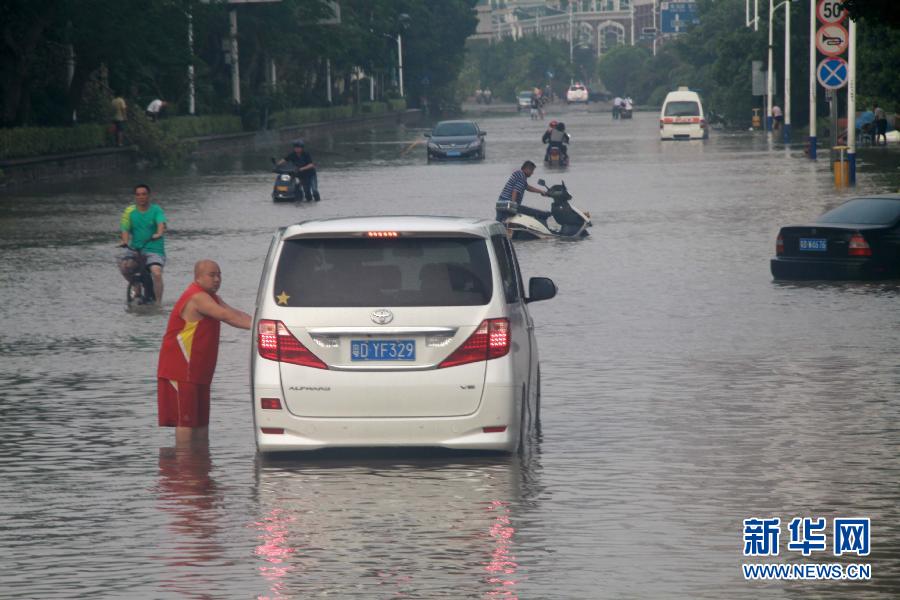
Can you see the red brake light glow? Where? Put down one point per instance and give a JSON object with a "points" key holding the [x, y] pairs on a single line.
{"points": [[273, 430], [270, 403], [382, 234], [779, 245], [859, 246], [490, 340], [275, 342]]}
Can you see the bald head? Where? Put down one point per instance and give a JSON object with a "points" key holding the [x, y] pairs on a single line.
{"points": [[208, 275]]}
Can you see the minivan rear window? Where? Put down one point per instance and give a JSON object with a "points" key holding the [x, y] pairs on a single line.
{"points": [[682, 108], [363, 272]]}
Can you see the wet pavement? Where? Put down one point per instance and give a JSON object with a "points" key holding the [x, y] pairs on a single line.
{"points": [[683, 390]]}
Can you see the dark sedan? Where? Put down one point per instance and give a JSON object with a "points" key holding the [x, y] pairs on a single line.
{"points": [[456, 140], [860, 239]]}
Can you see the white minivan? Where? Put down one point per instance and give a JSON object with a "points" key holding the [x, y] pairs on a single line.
{"points": [[395, 331], [682, 117]]}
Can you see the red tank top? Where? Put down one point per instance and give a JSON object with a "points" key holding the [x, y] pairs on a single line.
{"points": [[189, 348]]}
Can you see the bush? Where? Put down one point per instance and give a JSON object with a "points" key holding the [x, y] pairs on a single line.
{"points": [[395, 104], [191, 126], [20, 142], [303, 116], [373, 108]]}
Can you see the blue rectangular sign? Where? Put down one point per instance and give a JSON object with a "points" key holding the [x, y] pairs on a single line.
{"points": [[675, 17]]}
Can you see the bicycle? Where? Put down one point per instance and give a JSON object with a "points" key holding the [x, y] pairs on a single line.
{"points": [[140, 283]]}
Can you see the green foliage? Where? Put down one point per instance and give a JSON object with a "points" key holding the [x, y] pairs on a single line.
{"points": [[396, 104], [155, 144], [21, 142], [139, 49], [304, 116], [196, 126], [619, 66], [513, 65]]}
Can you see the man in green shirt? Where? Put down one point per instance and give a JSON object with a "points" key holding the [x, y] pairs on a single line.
{"points": [[142, 228]]}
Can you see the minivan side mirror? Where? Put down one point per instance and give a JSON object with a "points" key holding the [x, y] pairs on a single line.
{"points": [[428, 134], [542, 182], [483, 133], [540, 288]]}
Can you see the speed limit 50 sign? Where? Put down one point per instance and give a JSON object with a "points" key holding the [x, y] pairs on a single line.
{"points": [[830, 12]]}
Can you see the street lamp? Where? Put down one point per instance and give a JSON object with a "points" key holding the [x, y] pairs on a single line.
{"points": [[787, 69]]}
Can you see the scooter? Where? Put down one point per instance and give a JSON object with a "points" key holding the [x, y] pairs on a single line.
{"points": [[555, 157], [624, 113], [564, 221], [287, 186]]}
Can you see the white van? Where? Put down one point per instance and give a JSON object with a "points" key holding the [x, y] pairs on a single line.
{"points": [[395, 331], [682, 117]]}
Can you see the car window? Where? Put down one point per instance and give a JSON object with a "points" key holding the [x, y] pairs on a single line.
{"points": [[864, 211], [507, 268], [515, 263], [682, 108], [363, 272], [454, 129]]}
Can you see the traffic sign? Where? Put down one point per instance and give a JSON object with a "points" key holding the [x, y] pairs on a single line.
{"points": [[830, 11], [832, 40], [675, 17], [832, 73]]}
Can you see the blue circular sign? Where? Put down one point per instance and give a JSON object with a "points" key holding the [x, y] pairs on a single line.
{"points": [[832, 73]]}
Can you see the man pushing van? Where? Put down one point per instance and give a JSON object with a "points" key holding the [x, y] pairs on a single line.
{"points": [[190, 348]]}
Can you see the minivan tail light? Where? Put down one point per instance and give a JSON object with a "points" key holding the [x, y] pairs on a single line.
{"points": [[490, 340], [661, 123], [270, 403], [275, 342], [702, 123], [779, 245], [859, 246]]}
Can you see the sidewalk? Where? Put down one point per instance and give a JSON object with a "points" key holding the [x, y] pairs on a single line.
{"points": [[18, 172]]}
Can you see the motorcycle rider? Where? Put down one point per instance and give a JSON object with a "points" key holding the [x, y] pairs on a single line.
{"points": [[515, 188], [306, 170], [556, 136]]}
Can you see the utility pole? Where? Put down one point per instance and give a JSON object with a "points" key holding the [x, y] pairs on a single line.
{"points": [[812, 79], [851, 103], [787, 73], [235, 70], [190, 70], [400, 63]]}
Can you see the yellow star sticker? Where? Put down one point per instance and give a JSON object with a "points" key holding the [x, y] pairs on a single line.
{"points": [[282, 298]]}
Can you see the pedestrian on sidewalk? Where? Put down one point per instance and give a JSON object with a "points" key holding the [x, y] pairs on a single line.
{"points": [[120, 115]]}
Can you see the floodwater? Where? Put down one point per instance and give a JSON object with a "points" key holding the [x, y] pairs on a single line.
{"points": [[683, 390]]}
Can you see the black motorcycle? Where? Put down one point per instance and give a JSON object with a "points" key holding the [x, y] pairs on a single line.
{"points": [[287, 186]]}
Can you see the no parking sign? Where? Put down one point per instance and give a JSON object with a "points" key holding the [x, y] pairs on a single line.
{"points": [[832, 73]]}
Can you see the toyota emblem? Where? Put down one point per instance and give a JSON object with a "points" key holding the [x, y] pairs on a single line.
{"points": [[382, 316]]}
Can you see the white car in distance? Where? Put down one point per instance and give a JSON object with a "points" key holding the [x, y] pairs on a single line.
{"points": [[577, 93], [395, 331]]}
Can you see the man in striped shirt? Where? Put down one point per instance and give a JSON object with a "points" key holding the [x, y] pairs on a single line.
{"points": [[515, 187]]}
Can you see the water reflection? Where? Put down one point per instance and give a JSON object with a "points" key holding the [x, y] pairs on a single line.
{"points": [[401, 524], [190, 497]]}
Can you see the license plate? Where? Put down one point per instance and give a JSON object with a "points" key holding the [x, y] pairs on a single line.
{"points": [[813, 245], [382, 350], [453, 153], [281, 188]]}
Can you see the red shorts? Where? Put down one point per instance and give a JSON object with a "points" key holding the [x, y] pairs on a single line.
{"points": [[182, 404]]}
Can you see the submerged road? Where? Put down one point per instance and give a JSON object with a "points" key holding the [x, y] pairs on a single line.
{"points": [[683, 390]]}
